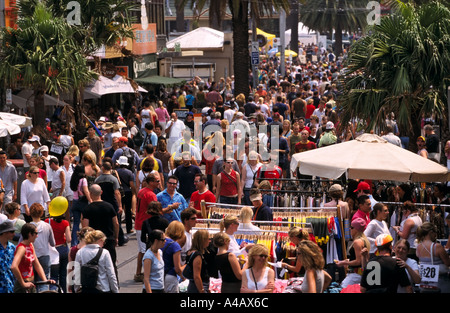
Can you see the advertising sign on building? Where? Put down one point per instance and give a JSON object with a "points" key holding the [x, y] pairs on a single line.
{"points": [[145, 66], [145, 39]]}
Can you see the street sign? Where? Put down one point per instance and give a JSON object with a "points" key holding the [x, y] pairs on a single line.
{"points": [[255, 58]]}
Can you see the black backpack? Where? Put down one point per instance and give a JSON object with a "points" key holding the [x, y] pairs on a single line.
{"points": [[89, 272], [127, 152], [138, 139]]}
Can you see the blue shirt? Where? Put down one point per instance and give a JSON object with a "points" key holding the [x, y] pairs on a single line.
{"points": [[170, 248], [156, 271], [6, 276], [190, 100], [166, 200]]}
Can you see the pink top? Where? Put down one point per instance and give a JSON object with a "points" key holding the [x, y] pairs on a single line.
{"points": [[79, 192], [162, 114]]}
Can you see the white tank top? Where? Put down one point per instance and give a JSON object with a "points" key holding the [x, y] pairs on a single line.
{"points": [[260, 284], [250, 174], [412, 235]]}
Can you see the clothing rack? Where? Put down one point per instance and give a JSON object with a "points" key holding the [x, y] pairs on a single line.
{"points": [[320, 212], [212, 204]]}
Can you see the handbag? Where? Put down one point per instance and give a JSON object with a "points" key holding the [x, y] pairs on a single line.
{"points": [[188, 271]]}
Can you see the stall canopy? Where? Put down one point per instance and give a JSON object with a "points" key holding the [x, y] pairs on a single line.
{"points": [[7, 127], [26, 98], [368, 157], [161, 80], [200, 38], [119, 84], [20, 120]]}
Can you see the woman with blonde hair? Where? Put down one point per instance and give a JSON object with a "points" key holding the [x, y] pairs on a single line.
{"points": [[229, 224], [316, 280], [199, 283], [91, 170], [227, 264], [107, 279], [175, 239], [33, 190], [162, 114], [296, 236], [257, 276]]}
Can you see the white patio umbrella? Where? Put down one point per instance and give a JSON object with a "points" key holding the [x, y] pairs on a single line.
{"points": [[7, 127], [22, 121], [368, 157], [103, 86]]}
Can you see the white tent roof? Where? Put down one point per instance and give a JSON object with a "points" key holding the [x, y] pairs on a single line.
{"points": [[200, 38]]}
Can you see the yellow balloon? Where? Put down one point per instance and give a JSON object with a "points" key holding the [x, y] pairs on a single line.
{"points": [[58, 206]]}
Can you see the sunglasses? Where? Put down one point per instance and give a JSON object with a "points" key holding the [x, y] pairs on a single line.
{"points": [[171, 183], [263, 256], [34, 172]]}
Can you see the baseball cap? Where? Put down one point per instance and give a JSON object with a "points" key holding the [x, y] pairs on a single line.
{"points": [[240, 114], [44, 148], [123, 139], [383, 239], [335, 187], [329, 125], [35, 138], [362, 186], [421, 138], [359, 224]]}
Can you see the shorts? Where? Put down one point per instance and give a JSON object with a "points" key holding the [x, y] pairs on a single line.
{"points": [[142, 247]]}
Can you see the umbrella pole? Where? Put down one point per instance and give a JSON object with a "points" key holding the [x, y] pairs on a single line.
{"points": [[341, 225]]}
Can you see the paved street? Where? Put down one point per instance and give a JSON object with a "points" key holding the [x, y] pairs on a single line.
{"points": [[126, 263]]}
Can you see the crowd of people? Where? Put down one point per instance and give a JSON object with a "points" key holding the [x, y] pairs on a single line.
{"points": [[150, 170]]}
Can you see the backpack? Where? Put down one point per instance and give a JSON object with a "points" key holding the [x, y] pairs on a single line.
{"points": [[130, 156], [89, 272], [138, 139]]}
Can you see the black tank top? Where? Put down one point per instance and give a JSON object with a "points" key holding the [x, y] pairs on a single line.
{"points": [[224, 266]]}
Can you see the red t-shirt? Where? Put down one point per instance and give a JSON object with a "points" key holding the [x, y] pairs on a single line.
{"points": [[300, 147], [26, 264], [59, 231], [197, 197], [309, 110], [144, 197]]}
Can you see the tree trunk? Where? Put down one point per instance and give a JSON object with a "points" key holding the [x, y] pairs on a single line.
{"points": [[215, 14], [39, 108], [180, 18], [293, 22], [241, 56], [338, 40]]}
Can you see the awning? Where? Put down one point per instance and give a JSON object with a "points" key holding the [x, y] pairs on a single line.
{"points": [[118, 84], [161, 80]]}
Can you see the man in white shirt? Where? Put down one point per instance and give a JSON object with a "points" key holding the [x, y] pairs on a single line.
{"points": [[391, 138], [228, 113], [174, 131], [27, 150]]}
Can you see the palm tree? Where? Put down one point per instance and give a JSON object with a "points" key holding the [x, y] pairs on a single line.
{"points": [[240, 11], [402, 67], [337, 15], [102, 23], [41, 55]]}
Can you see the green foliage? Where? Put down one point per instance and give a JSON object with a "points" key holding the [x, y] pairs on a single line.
{"points": [[402, 67]]}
